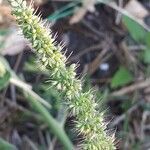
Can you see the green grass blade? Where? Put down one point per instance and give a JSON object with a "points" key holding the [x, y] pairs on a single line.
{"points": [[4, 145], [64, 11]]}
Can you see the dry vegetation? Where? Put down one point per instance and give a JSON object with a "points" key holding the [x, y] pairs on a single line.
{"points": [[111, 42]]}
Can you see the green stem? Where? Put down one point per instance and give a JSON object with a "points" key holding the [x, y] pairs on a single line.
{"points": [[90, 122], [52, 123]]}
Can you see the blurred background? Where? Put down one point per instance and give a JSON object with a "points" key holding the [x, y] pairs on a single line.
{"points": [[111, 42]]}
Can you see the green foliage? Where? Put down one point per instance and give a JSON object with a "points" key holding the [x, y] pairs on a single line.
{"points": [[147, 39], [146, 56], [121, 77], [2, 70], [137, 32], [55, 127], [3, 32], [4, 81], [90, 122], [32, 67], [4, 75], [38, 103], [64, 11], [4, 145]]}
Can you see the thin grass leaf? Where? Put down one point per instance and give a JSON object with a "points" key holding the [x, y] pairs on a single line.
{"points": [[4, 145]]}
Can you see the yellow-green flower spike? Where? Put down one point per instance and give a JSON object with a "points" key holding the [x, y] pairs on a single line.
{"points": [[89, 122]]}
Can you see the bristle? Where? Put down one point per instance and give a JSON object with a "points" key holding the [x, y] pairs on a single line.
{"points": [[35, 10], [90, 123]]}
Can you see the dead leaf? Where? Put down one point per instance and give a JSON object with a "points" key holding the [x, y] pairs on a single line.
{"points": [[87, 5], [5, 11], [136, 9], [13, 44]]}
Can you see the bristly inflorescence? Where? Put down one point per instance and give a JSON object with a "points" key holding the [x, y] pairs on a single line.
{"points": [[89, 122]]}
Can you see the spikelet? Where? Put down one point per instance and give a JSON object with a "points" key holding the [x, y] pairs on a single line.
{"points": [[89, 122]]}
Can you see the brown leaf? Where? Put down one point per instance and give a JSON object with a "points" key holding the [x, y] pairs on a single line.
{"points": [[87, 5], [136, 9]]}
